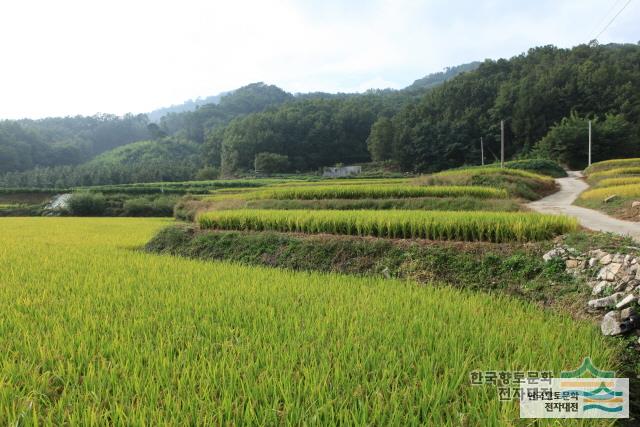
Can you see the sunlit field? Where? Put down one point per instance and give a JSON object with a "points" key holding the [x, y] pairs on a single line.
{"points": [[94, 332], [434, 225]]}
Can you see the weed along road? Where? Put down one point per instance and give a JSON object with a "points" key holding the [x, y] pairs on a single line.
{"points": [[561, 203]]}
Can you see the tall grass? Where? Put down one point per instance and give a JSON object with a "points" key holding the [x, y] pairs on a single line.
{"points": [[435, 225], [93, 333], [377, 192]]}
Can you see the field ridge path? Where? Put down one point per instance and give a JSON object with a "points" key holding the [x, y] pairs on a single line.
{"points": [[561, 203]]}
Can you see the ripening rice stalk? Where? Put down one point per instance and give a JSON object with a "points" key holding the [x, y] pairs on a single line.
{"points": [[95, 333], [435, 225], [632, 190], [613, 173], [611, 182], [378, 192], [612, 164], [490, 170]]}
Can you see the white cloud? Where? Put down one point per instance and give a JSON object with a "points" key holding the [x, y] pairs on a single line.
{"points": [[85, 56]]}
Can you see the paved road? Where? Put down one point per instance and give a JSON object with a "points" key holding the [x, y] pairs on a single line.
{"points": [[561, 203]]}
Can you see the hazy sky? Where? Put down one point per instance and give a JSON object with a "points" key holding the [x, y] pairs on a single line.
{"points": [[67, 57]]}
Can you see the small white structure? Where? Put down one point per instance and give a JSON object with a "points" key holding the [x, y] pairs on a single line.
{"points": [[341, 172]]}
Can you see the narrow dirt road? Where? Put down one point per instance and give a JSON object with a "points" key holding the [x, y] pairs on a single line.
{"points": [[561, 203]]}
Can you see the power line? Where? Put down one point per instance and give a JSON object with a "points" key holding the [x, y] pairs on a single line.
{"points": [[613, 19], [604, 17]]}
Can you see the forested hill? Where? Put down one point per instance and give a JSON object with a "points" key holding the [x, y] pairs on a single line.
{"points": [[545, 97], [189, 105]]}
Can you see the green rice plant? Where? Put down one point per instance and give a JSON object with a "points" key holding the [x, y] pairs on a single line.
{"points": [[434, 225], [349, 181], [95, 333], [377, 192], [624, 191], [612, 164]]}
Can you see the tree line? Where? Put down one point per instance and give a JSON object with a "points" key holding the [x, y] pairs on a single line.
{"points": [[545, 96]]}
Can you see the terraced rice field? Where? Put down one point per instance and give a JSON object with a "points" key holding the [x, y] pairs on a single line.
{"points": [[377, 191], [435, 225], [95, 333]]}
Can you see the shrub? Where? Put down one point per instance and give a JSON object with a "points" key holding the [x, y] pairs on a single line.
{"points": [[269, 163], [149, 207], [87, 204], [207, 173]]}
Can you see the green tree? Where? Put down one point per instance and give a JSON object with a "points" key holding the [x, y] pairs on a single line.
{"points": [[380, 140], [270, 163], [567, 141]]}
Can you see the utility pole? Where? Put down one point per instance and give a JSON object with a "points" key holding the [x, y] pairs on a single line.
{"points": [[501, 143], [589, 142], [482, 150]]}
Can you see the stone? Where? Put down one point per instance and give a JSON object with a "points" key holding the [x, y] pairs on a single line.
{"points": [[592, 261], [633, 283], [609, 301], [609, 272], [599, 288], [386, 273], [618, 259], [554, 253], [627, 312], [626, 301], [572, 263], [610, 324], [619, 286], [635, 204], [627, 259], [606, 259], [597, 253]]}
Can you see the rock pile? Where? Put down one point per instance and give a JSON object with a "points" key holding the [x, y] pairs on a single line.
{"points": [[615, 284]]}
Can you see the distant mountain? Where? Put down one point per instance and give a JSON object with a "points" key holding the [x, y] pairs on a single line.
{"points": [[189, 105], [428, 82], [435, 79]]}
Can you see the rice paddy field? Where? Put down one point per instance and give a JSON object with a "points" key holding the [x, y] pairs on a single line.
{"points": [[615, 185], [94, 332], [378, 191], [443, 225]]}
